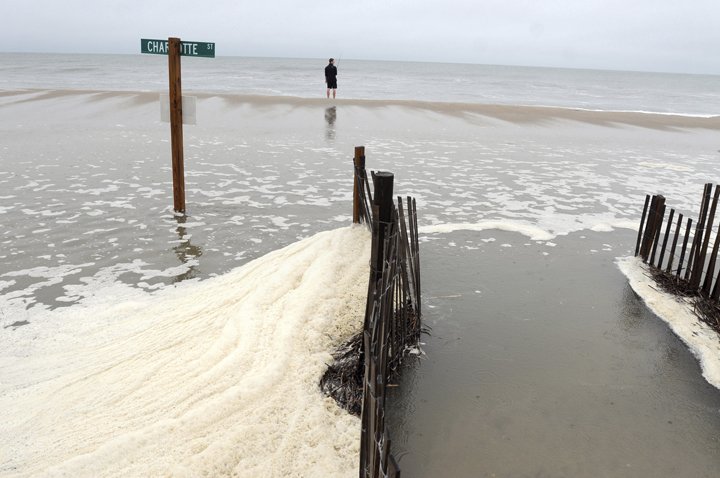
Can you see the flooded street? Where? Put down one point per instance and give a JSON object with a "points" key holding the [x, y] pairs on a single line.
{"points": [[549, 366]]}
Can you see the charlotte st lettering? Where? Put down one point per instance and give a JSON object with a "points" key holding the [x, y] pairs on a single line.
{"points": [[161, 47]]}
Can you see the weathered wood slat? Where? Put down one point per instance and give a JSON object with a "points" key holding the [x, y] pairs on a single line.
{"points": [[665, 239], [359, 163], [649, 229], [674, 244], [642, 224], [710, 274], [406, 253], [418, 303], [706, 231], [684, 246], [658, 226], [697, 239]]}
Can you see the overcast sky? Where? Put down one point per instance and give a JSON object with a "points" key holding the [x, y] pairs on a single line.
{"points": [[647, 35]]}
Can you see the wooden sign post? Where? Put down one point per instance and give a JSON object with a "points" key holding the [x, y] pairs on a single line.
{"points": [[176, 128], [174, 49]]}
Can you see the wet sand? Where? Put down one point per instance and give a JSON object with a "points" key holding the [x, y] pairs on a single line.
{"points": [[509, 113]]}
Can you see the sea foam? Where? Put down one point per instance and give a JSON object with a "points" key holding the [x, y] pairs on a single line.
{"points": [[701, 339], [211, 378]]}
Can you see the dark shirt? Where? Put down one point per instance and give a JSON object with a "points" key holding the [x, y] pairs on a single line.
{"points": [[330, 74]]}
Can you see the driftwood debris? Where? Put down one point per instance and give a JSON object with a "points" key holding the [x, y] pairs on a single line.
{"points": [[706, 308], [343, 379]]}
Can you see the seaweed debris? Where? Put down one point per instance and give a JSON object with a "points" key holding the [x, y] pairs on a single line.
{"points": [[705, 308], [343, 379]]}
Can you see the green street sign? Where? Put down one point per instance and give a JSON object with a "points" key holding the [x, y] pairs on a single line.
{"points": [[187, 48]]}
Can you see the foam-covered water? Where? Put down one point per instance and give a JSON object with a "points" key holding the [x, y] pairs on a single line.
{"points": [[85, 201]]}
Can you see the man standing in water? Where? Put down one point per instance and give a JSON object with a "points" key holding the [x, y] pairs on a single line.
{"points": [[331, 77]]}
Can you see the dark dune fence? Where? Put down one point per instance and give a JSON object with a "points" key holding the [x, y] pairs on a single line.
{"points": [[687, 254], [392, 316]]}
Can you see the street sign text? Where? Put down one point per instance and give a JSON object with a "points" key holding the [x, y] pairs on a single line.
{"points": [[187, 48]]}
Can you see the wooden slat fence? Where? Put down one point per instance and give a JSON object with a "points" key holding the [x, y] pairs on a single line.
{"points": [[691, 258], [392, 317]]}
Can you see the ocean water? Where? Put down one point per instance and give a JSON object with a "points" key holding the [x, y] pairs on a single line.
{"points": [[377, 80], [136, 342]]}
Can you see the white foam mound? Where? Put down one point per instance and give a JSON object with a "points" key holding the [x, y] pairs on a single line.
{"points": [[701, 339], [213, 378]]}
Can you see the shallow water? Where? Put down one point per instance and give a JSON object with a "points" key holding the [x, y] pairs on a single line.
{"points": [[549, 365]]}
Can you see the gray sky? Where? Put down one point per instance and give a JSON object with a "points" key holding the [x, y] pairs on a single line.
{"points": [[652, 35]]}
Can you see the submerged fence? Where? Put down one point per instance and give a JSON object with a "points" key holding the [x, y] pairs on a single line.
{"points": [[694, 265], [392, 314]]}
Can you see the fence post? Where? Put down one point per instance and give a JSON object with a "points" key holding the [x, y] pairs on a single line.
{"points": [[359, 162], [383, 199], [382, 217]]}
